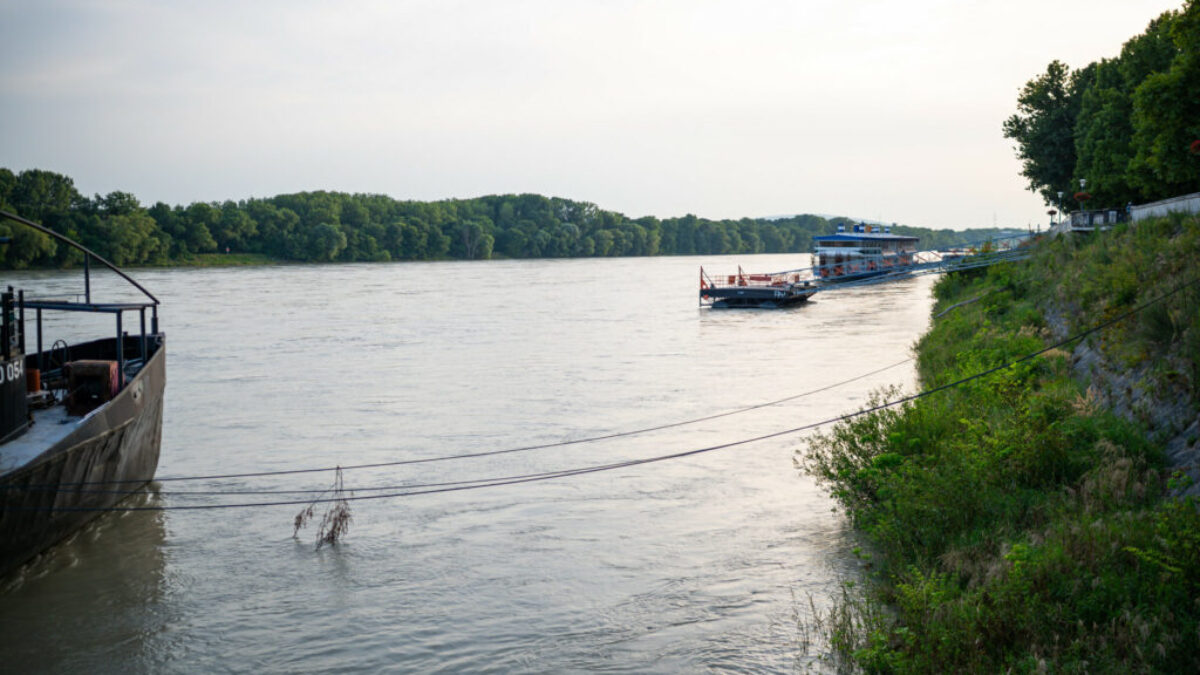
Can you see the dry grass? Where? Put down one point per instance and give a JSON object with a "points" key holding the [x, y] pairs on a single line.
{"points": [[1056, 352], [1089, 405]]}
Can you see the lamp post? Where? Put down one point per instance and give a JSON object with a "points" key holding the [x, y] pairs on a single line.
{"points": [[1060, 194], [1082, 197]]}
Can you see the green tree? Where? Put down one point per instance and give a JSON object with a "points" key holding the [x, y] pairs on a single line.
{"points": [[653, 229], [415, 240], [8, 181], [118, 204], [198, 222], [170, 224], [772, 240], [1044, 129], [234, 229], [45, 197], [325, 242], [1103, 138], [27, 247], [274, 228], [130, 239], [1166, 116], [604, 243], [474, 242], [513, 243], [1104, 129], [506, 215], [713, 239], [353, 213]]}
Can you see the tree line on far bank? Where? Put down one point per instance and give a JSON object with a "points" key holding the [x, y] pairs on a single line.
{"points": [[1129, 126], [333, 226]]}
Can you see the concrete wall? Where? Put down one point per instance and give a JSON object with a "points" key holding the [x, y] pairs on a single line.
{"points": [[1186, 203]]}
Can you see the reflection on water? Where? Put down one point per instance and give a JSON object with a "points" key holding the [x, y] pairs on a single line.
{"points": [[674, 566], [94, 600]]}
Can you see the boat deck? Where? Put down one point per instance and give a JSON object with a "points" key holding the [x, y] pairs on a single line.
{"points": [[50, 425]]}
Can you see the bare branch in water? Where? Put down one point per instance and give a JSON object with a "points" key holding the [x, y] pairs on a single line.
{"points": [[302, 519], [336, 521]]}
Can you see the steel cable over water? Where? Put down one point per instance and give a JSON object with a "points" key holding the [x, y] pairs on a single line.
{"points": [[472, 455], [991, 259], [433, 488]]}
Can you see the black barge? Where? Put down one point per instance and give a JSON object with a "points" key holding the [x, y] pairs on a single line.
{"points": [[762, 291], [81, 422]]}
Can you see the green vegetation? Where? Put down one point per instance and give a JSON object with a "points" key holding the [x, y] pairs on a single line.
{"points": [[1018, 524], [331, 226], [1030, 520], [1127, 124]]}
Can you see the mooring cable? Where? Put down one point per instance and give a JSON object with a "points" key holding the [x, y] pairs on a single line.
{"points": [[485, 453], [566, 473], [489, 453]]}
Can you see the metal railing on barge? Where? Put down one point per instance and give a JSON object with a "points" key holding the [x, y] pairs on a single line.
{"points": [[12, 331]]}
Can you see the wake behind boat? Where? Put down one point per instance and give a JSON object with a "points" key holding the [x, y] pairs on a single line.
{"points": [[81, 422]]}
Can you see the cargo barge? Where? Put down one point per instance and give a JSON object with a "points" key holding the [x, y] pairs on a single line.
{"points": [[81, 423], [762, 291]]}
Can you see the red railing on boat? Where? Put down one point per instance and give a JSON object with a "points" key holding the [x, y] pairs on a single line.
{"points": [[743, 278]]}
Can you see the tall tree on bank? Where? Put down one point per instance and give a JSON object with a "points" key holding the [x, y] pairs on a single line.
{"points": [[1166, 117], [1130, 126], [1104, 129], [26, 246], [1044, 129]]}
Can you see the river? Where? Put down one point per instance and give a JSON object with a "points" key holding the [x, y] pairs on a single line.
{"points": [[701, 563]]}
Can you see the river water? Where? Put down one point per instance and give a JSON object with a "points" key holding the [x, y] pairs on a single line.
{"points": [[701, 563]]}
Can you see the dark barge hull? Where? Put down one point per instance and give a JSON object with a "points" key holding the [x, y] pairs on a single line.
{"points": [[43, 502], [762, 297]]}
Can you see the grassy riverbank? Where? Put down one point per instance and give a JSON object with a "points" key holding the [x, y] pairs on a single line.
{"points": [[1029, 519]]}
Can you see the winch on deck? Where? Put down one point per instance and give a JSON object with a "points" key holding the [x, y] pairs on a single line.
{"points": [[90, 384]]}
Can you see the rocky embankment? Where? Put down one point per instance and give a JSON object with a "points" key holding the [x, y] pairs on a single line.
{"points": [[1142, 394]]}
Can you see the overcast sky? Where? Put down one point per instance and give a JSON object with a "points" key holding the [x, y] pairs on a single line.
{"points": [[882, 110]]}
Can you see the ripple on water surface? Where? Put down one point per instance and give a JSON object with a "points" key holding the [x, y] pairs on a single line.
{"points": [[699, 563]]}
